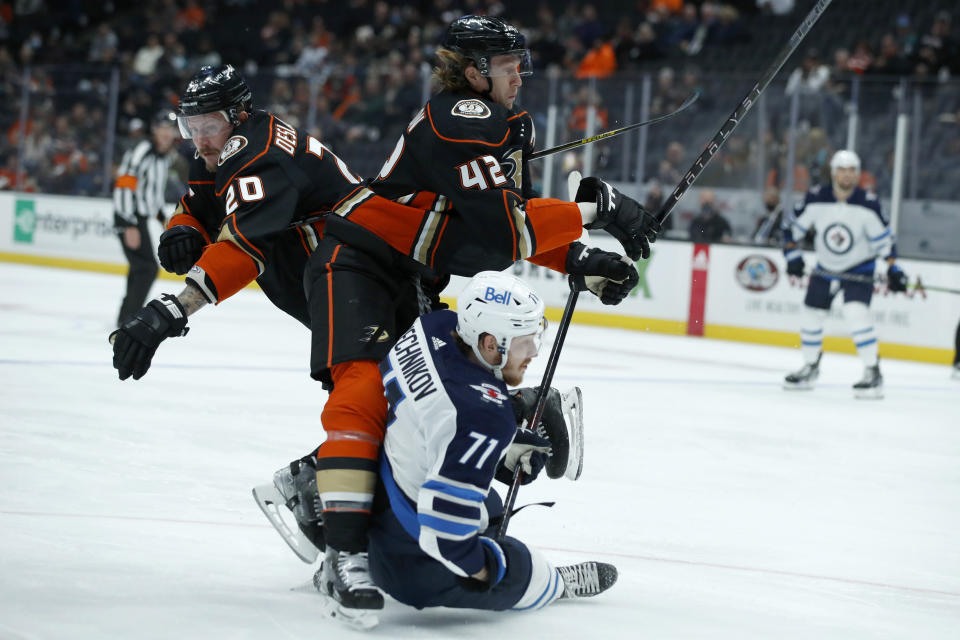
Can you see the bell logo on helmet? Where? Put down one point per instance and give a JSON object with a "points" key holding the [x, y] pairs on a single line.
{"points": [[500, 298]]}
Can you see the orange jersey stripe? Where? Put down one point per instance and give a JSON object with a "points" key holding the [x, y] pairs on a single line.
{"points": [[394, 222], [190, 221], [230, 268], [555, 222], [555, 259]]}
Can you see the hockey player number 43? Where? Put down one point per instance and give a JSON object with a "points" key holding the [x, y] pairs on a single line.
{"points": [[481, 173]]}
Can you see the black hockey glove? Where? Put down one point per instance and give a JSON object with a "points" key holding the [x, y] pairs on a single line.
{"points": [[609, 276], [795, 267], [180, 248], [137, 339], [530, 450], [495, 561], [622, 217], [896, 279]]}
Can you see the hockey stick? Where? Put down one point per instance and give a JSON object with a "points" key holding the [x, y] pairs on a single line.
{"points": [[693, 97], [711, 149], [540, 403], [853, 277], [668, 206], [552, 150]]}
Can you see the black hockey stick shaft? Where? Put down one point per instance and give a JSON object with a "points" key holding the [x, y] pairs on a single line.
{"points": [[731, 123], [693, 97], [540, 404]]}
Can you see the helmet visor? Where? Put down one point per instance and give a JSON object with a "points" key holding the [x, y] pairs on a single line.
{"points": [[528, 346], [204, 125], [510, 62]]}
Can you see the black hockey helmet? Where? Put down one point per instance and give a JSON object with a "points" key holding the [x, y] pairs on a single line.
{"points": [[480, 38], [215, 89]]}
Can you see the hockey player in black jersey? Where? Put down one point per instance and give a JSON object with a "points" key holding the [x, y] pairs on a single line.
{"points": [[252, 176], [461, 161]]}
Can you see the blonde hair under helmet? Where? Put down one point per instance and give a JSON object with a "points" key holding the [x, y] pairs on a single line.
{"points": [[844, 158]]}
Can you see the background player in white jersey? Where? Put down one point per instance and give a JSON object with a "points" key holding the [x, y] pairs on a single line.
{"points": [[851, 233], [451, 430]]}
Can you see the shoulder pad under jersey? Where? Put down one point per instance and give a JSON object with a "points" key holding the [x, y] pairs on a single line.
{"points": [[468, 119], [252, 143]]}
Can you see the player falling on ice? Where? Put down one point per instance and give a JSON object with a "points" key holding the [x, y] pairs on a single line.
{"points": [[451, 431]]}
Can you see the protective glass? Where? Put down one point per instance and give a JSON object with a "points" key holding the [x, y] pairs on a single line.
{"points": [[506, 64], [205, 125]]}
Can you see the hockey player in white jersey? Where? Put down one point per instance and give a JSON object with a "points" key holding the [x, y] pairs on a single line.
{"points": [[851, 233], [451, 429]]}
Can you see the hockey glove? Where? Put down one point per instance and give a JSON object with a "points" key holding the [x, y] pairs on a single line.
{"points": [[180, 248], [609, 276], [795, 267], [137, 339], [495, 561], [622, 217], [530, 451], [896, 279]]}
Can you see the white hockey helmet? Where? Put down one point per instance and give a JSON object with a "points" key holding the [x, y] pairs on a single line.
{"points": [[503, 306], [844, 158]]}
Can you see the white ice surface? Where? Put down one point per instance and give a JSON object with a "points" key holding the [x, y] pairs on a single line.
{"points": [[732, 509]]}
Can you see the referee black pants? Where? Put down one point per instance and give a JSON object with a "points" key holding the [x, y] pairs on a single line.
{"points": [[142, 273]]}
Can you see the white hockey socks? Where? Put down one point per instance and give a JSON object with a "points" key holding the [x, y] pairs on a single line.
{"points": [[811, 333], [545, 583], [857, 315]]}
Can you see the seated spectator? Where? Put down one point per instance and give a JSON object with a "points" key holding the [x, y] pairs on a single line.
{"points": [[768, 228], [709, 226], [890, 61], [809, 77], [600, 61], [654, 200], [671, 168]]}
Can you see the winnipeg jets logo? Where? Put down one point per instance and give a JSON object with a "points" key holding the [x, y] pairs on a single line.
{"points": [[437, 343], [471, 109], [231, 148], [838, 238], [490, 393]]}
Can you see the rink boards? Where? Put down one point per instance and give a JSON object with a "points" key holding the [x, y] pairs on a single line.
{"points": [[728, 292]]}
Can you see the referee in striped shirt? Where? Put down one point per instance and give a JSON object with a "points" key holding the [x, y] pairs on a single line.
{"points": [[138, 194]]}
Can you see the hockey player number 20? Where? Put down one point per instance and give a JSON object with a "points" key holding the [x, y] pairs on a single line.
{"points": [[251, 190]]}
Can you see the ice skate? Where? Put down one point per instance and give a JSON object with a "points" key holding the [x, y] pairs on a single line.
{"points": [[349, 594], [871, 386], [586, 579], [804, 378], [299, 522]]}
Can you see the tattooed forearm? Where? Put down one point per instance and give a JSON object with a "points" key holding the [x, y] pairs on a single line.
{"points": [[192, 299]]}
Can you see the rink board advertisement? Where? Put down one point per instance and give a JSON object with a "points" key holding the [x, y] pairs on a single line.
{"points": [[718, 291], [61, 228], [748, 289], [659, 302]]}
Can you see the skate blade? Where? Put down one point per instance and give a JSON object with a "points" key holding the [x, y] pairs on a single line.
{"points": [[798, 386], [572, 404], [271, 503], [360, 619], [868, 394]]}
